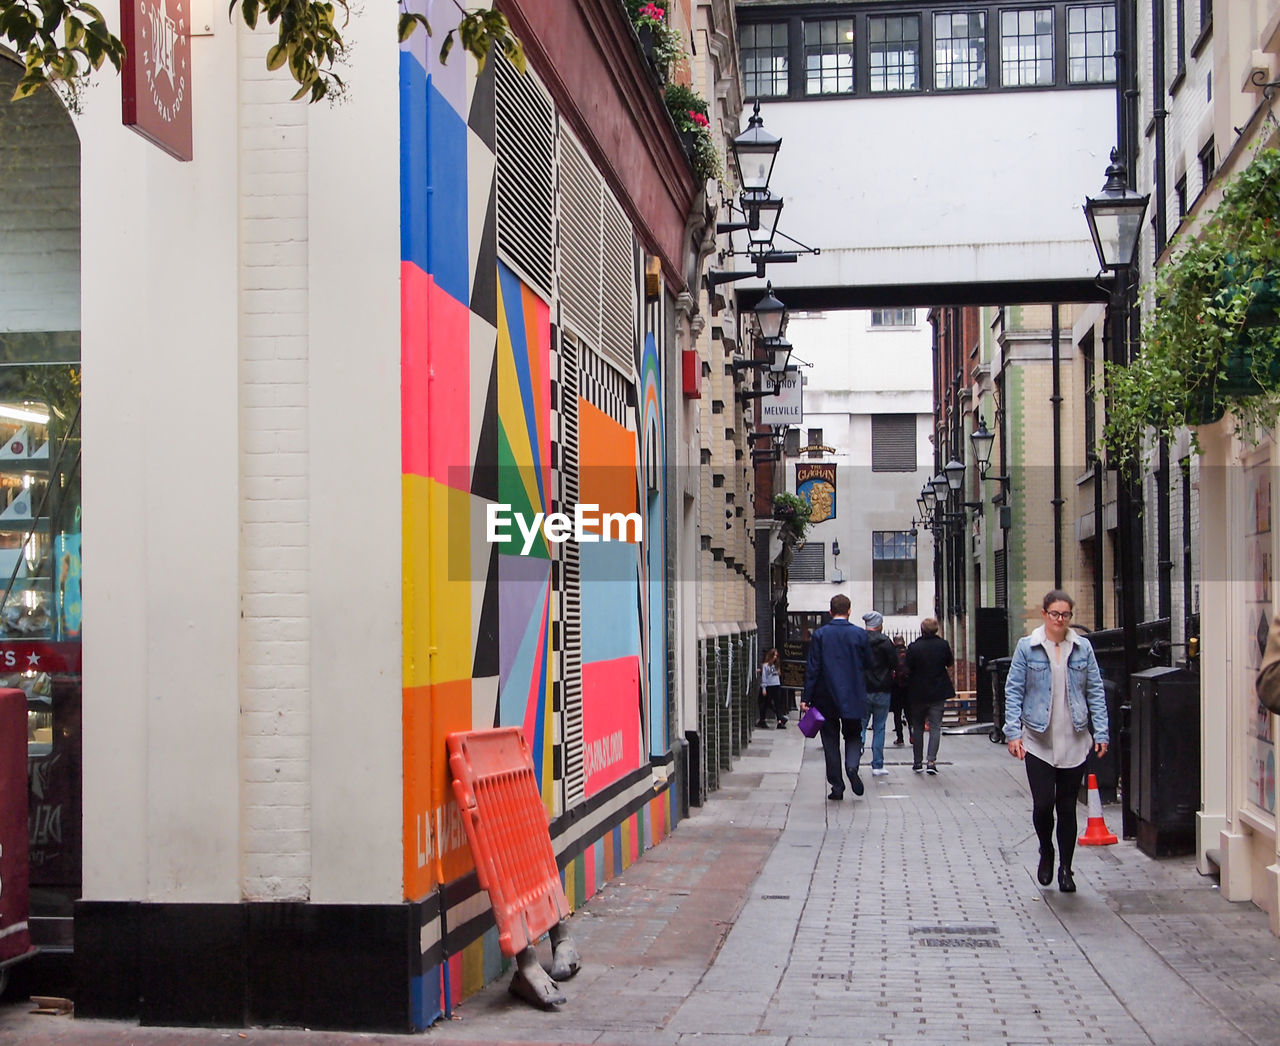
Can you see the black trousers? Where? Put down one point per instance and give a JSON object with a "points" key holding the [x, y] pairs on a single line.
{"points": [[1054, 790], [772, 702], [831, 732]]}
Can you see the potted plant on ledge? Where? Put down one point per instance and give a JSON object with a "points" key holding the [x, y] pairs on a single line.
{"points": [[689, 113], [659, 39], [1212, 343]]}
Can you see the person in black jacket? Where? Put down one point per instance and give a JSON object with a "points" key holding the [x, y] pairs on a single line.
{"points": [[879, 680], [929, 661]]}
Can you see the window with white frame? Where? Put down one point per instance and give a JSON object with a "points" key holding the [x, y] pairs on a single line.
{"points": [[1026, 47], [959, 50], [828, 56], [893, 52], [1091, 44], [893, 571], [893, 317], [763, 56]]}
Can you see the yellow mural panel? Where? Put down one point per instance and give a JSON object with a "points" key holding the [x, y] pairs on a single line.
{"points": [[437, 582]]}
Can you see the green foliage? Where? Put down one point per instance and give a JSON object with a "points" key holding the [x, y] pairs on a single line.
{"points": [[308, 40], [33, 27], [1212, 343], [792, 511], [688, 112], [668, 47]]}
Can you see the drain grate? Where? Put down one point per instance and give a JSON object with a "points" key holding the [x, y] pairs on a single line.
{"points": [[961, 936], [775, 897]]}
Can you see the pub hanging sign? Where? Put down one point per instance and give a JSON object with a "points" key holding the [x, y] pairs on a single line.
{"points": [[816, 483], [157, 72]]}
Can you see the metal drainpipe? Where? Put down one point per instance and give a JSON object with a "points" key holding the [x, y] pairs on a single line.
{"points": [[1056, 400], [1159, 114], [1159, 190]]}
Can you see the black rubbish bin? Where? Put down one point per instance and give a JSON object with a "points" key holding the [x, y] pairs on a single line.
{"points": [[1164, 768], [998, 669]]}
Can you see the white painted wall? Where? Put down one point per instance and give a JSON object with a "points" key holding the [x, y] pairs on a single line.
{"points": [[940, 188], [242, 684]]}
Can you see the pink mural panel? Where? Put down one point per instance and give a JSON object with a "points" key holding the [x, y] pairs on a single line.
{"points": [[610, 720], [435, 350]]}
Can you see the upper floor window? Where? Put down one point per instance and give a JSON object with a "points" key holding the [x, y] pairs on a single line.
{"points": [[763, 56], [960, 50], [893, 443], [893, 52], [828, 56], [1091, 44], [893, 317], [1208, 164], [1026, 47]]}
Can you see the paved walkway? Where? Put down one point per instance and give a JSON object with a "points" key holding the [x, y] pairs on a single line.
{"points": [[910, 915]]}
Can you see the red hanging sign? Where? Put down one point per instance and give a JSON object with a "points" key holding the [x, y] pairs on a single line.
{"points": [[157, 72]]}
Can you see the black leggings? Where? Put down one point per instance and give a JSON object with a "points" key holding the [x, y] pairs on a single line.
{"points": [[1054, 789]]}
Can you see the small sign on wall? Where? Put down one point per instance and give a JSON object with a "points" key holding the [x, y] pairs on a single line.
{"points": [[157, 72], [787, 407]]}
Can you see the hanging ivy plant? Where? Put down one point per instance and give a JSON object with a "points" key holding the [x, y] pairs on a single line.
{"points": [[792, 512], [1212, 343]]}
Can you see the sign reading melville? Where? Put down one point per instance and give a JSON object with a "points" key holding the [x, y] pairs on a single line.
{"points": [[157, 72], [786, 408]]}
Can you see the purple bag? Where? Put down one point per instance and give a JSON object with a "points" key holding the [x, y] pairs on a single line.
{"points": [[811, 722]]}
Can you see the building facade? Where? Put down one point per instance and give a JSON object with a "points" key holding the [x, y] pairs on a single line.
{"points": [[332, 344]]}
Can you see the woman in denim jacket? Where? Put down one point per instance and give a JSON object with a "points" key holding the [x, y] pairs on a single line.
{"points": [[1053, 691]]}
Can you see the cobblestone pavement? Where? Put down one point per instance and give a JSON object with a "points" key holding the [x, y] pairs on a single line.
{"points": [[910, 915]]}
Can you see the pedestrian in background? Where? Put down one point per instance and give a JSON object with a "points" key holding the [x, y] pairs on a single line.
{"points": [[929, 661], [834, 685], [1053, 692], [898, 700], [771, 690], [879, 680]]}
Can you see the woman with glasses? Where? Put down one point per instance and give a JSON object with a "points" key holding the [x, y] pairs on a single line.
{"points": [[1053, 693]]}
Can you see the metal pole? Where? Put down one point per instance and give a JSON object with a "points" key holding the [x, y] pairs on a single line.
{"points": [[1128, 607]]}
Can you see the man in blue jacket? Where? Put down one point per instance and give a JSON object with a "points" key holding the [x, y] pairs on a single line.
{"points": [[834, 684]]}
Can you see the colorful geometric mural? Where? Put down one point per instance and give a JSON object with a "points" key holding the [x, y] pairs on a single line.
{"points": [[482, 639]]}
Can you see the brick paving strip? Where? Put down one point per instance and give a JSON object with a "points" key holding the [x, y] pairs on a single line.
{"points": [[908, 916]]}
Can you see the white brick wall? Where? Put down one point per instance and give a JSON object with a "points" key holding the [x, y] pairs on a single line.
{"points": [[275, 643], [39, 212]]}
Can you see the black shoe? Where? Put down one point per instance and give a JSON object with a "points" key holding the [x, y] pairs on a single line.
{"points": [[762, 725], [782, 724], [931, 770], [1044, 873], [837, 796], [899, 742], [917, 769], [855, 782], [1065, 882]]}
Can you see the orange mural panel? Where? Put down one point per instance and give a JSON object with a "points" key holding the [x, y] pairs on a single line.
{"points": [[435, 842], [607, 459]]}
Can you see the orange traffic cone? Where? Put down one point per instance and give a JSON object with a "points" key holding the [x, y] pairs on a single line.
{"points": [[1096, 832]]}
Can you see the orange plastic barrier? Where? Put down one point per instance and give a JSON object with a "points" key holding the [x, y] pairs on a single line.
{"points": [[506, 825]]}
